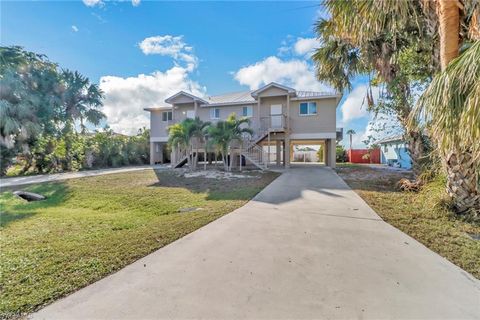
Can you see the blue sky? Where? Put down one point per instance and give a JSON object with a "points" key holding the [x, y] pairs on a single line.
{"points": [[141, 52]]}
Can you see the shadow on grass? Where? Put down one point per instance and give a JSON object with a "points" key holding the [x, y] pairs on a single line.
{"points": [[217, 189], [14, 208]]}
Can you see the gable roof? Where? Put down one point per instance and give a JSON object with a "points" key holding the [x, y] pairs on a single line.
{"points": [[183, 93], [270, 85], [249, 97]]}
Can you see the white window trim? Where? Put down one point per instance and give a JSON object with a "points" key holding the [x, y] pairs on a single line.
{"points": [[212, 114], [251, 108], [307, 114], [167, 116]]}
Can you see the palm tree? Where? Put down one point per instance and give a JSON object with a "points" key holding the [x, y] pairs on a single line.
{"points": [[81, 100], [197, 129], [351, 45], [182, 135], [451, 108], [351, 132], [222, 133], [357, 21]]}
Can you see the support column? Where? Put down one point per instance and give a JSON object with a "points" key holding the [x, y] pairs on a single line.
{"points": [[195, 107], [152, 153], [331, 153], [258, 115], [288, 151], [324, 147], [287, 117], [278, 149]]}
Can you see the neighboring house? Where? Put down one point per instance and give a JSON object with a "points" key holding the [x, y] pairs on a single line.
{"points": [[394, 152], [281, 118]]}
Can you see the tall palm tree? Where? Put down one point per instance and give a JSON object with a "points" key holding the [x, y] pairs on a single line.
{"points": [[81, 100], [352, 43], [456, 22], [351, 132], [451, 105]]}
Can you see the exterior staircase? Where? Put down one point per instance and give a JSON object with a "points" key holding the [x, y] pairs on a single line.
{"points": [[255, 154]]}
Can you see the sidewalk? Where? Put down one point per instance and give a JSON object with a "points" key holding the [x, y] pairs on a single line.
{"points": [[17, 181]]}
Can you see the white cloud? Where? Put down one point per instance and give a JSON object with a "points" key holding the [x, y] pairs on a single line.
{"points": [[136, 3], [296, 73], [305, 46], [92, 3], [355, 106], [125, 98], [74, 28], [168, 45]]}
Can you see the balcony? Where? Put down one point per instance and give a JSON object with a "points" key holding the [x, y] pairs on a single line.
{"points": [[273, 123]]}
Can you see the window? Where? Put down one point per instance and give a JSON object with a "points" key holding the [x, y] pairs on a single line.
{"points": [[308, 108], [167, 116], [215, 113], [247, 111], [385, 148]]}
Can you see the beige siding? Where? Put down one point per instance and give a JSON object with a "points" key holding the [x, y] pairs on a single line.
{"points": [[272, 92], [158, 128], [180, 111], [323, 121]]}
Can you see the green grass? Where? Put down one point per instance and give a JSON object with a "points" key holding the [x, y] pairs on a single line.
{"points": [[423, 215], [90, 227]]}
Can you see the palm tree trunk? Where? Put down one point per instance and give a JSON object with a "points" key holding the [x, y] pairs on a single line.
{"points": [[418, 149], [462, 173], [462, 182], [449, 24]]}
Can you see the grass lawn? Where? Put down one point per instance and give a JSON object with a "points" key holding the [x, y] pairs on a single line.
{"points": [[90, 227], [420, 215]]}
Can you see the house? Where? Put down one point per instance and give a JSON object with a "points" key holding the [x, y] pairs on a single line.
{"points": [[394, 152], [281, 117]]}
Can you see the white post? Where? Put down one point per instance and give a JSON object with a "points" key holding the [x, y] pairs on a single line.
{"points": [[240, 157], [268, 149]]}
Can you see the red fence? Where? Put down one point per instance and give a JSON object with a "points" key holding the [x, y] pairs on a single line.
{"points": [[358, 156]]}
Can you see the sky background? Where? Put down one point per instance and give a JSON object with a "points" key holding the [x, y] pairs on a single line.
{"points": [[141, 52]]}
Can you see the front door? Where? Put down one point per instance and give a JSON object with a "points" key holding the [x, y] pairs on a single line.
{"points": [[276, 116]]}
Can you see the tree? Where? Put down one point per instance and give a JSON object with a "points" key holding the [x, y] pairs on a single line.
{"points": [[183, 135], [222, 133], [451, 108], [80, 99], [360, 37], [457, 23], [351, 132], [29, 101]]}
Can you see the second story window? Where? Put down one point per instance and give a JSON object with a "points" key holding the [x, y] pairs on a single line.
{"points": [[247, 111], [167, 116], [215, 113], [308, 108]]}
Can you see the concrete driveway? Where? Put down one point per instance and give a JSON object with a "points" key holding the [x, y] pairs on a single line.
{"points": [[306, 247]]}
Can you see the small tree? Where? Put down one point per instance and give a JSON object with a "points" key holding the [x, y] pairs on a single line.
{"points": [[223, 133]]}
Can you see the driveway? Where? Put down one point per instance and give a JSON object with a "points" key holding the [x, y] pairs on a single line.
{"points": [[306, 247], [17, 181]]}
